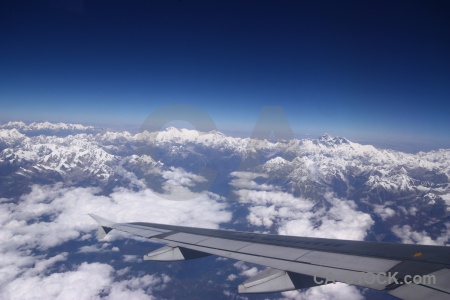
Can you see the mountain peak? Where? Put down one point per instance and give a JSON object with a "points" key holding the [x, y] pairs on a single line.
{"points": [[41, 126], [325, 137], [172, 129], [329, 140]]}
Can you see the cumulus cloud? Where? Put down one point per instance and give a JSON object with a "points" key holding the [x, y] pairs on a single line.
{"points": [[178, 184], [341, 221], [45, 264], [178, 176], [245, 270], [232, 277], [134, 180], [250, 272], [66, 212], [384, 212], [138, 287], [87, 281], [132, 258], [336, 291], [95, 248], [409, 236], [246, 181], [298, 216], [51, 215]]}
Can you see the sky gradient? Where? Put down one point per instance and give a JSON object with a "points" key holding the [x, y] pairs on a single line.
{"points": [[368, 71]]}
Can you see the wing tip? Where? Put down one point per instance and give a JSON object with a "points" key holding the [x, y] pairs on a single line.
{"points": [[104, 225]]}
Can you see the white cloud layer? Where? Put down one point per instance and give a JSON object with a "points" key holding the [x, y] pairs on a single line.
{"points": [[245, 180], [51, 215], [409, 236], [87, 281], [384, 212], [178, 176], [297, 216], [341, 221], [336, 291]]}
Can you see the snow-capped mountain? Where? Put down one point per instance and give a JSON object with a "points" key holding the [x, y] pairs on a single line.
{"points": [[307, 168], [10, 138], [47, 128], [51, 175]]}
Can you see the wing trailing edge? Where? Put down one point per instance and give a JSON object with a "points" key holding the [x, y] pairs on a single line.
{"points": [[303, 262], [273, 280]]}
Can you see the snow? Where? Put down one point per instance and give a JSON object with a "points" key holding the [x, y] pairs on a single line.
{"points": [[11, 136], [310, 161], [40, 126], [318, 160], [63, 155], [446, 198]]}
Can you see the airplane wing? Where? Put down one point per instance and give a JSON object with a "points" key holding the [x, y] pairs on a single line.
{"points": [[403, 270]]}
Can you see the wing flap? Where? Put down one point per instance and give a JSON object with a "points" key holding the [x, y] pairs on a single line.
{"points": [[168, 253], [418, 292], [435, 285], [273, 280], [357, 263], [442, 280], [267, 281]]}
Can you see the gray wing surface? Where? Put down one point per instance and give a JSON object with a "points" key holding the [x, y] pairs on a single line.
{"points": [[405, 271]]}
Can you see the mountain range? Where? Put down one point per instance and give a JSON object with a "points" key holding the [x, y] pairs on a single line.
{"points": [[411, 184]]}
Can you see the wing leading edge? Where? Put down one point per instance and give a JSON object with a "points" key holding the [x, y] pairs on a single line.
{"points": [[405, 271]]}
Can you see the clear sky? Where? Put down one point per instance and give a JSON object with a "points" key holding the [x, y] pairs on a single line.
{"points": [[360, 69]]}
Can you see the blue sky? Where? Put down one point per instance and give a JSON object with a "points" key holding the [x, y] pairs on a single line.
{"points": [[367, 71]]}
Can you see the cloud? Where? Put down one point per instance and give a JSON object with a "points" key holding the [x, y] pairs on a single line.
{"points": [[246, 180], [103, 247], [298, 216], [44, 265], [134, 180], [178, 176], [245, 270], [384, 212], [65, 211], [86, 281], [132, 258], [341, 221], [250, 272], [232, 277], [409, 236], [52, 215], [138, 287], [176, 186], [336, 291]]}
